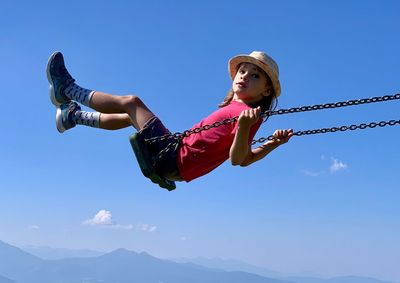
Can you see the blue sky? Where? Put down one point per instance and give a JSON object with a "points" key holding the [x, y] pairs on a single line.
{"points": [[326, 204]]}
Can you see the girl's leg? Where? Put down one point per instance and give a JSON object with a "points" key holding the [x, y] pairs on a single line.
{"points": [[63, 90], [70, 114], [114, 121], [132, 105]]}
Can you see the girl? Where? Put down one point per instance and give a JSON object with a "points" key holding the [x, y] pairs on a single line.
{"points": [[255, 88]]}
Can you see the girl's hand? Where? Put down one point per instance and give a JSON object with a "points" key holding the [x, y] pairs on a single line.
{"points": [[281, 137], [249, 117]]}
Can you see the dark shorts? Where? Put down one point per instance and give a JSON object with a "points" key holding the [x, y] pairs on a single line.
{"points": [[166, 166]]}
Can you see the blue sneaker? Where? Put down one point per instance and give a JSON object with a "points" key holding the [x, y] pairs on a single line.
{"points": [[64, 116], [59, 79]]}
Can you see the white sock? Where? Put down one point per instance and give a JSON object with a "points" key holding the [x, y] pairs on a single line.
{"points": [[91, 119], [79, 94]]}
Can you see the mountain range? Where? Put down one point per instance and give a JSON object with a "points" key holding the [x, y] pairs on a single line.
{"points": [[57, 253], [120, 266], [123, 266], [231, 265]]}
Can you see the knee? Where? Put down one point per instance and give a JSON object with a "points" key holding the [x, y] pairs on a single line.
{"points": [[131, 100]]}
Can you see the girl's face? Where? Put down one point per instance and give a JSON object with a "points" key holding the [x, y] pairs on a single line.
{"points": [[250, 84]]}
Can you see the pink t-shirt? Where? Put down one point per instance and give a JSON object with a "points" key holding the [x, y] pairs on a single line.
{"points": [[202, 152]]}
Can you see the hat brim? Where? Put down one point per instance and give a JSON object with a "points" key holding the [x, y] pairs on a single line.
{"points": [[237, 60]]}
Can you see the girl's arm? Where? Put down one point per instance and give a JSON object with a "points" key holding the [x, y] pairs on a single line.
{"points": [[281, 137], [240, 148], [240, 152]]}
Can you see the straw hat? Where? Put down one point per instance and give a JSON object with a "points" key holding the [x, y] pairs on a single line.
{"points": [[262, 60]]}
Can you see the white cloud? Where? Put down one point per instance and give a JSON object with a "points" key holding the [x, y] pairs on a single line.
{"points": [[183, 238], [337, 165], [102, 218], [33, 227], [147, 227]]}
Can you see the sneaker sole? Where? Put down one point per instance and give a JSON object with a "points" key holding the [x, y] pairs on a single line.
{"points": [[59, 123], [52, 93]]}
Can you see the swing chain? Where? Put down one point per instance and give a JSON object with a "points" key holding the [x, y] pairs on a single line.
{"points": [[353, 127], [335, 129], [168, 148], [332, 105], [179, 136]]}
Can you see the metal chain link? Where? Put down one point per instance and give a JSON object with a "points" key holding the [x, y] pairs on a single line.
{"points": [[353, 127], [332, 105], [168, 148], [279, 112], [187, 133], [335, 129], [179, 136]]}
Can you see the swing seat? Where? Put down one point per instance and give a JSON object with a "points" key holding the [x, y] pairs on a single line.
{"points": [[145, 163]]}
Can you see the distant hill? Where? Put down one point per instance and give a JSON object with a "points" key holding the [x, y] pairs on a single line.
{"points": [[14, 261], [232, 265], [235, 265], [125, 266], [121, 266], [57, 253], [342, 279]]}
